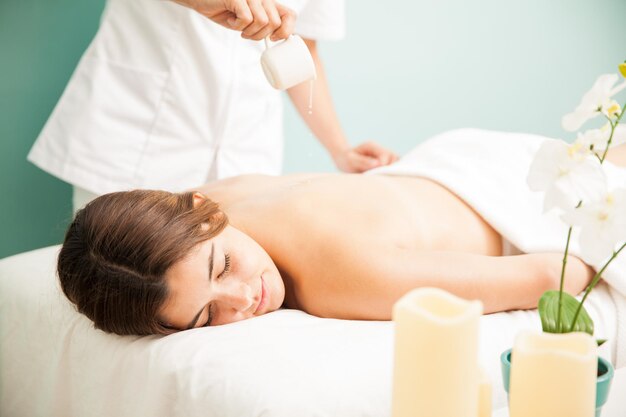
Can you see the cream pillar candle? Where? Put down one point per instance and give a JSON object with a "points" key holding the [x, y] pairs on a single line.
{"points": [[553, 375], [436, 370], [484, 395]]}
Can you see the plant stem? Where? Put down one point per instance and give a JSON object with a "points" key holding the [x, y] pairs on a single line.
{"points": [[598, 157], [558, 315], [613, 126], [594, 281]]}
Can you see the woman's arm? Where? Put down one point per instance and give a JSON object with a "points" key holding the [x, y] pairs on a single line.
{"points": [[502, 283]]}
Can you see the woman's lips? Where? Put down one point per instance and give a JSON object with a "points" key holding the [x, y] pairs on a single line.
{"points": [[263, 301]]}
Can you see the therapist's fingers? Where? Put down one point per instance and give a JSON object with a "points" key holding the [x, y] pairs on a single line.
{"points": [[256, 19], [374, 150], [260, 20], [361, 163], [237, 15], [274, 22], [287, 23], [387, 157], [354, 162]]}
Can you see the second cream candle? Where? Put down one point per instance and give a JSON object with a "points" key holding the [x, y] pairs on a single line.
{"points": [[436, 372]]}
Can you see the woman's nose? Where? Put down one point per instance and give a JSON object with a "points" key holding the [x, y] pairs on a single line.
{"points": [[237, 296]]}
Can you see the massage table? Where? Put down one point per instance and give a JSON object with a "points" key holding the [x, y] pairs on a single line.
{"points": [[283, 364]]}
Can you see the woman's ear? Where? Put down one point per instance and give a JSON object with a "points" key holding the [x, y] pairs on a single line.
{"points": [[198, 198]]}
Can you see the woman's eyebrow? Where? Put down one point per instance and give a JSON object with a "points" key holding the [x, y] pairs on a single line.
{"points": [[211, 257], [193, 322]]}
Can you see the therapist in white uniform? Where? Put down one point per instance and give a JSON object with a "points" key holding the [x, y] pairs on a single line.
{"points": [[170, 96]]}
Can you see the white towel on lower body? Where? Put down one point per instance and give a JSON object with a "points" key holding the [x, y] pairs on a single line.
{"points": [[488, 171]]}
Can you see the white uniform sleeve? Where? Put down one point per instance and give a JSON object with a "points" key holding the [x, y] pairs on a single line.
{"points": [[322, 20]]}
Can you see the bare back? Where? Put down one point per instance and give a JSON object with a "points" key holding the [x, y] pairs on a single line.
{"points": [[407, 212], [348, 246], [327, 227]]}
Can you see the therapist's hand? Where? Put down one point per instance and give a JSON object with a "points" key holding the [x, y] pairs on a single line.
{"points": [[255, 19], [364, 157]]}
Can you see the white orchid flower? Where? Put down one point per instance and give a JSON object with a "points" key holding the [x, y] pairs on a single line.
{"points": [[567, 173], [596, 101], [603, 225], [599, 138]]}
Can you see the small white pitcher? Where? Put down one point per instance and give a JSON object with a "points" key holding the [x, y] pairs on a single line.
{"points": [[288, 63]]}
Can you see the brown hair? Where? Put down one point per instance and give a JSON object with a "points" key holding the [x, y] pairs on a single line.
{"points": [[118, 248]]}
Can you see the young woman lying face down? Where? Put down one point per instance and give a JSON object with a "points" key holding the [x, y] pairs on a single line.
{"points": [[333, 245]]}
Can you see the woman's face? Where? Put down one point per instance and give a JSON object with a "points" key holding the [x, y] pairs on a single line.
{"points": [[222, 280]]}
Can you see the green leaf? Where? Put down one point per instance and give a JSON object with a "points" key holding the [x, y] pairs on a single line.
{"points": [[600, 342], [548, 311]]}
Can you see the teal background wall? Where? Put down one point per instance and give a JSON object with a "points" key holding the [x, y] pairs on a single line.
{"points": [[402, 74], [41, 42], [417, 68]]}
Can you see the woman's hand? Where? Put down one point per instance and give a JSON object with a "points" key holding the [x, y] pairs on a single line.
{"points": [[255, 19], [364, 157]]}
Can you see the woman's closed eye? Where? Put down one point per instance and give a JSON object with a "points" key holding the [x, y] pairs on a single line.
{"points": [[224, 272], [226, 269], [208, 322]]}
